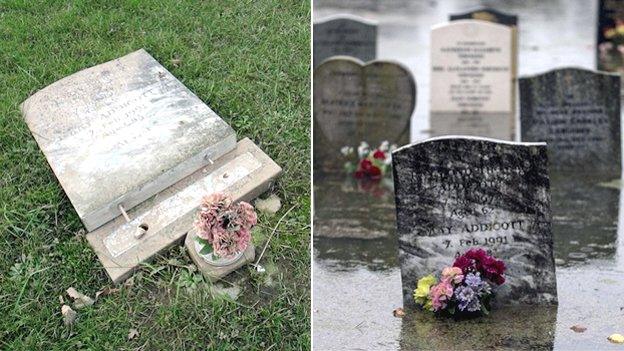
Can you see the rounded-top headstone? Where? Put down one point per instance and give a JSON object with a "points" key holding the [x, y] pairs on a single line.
{"points": [[356, 102], [577, 112], [346, 35]]}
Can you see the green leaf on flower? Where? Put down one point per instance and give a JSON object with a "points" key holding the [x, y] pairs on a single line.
{"points": [[484, 310], [202, 241], [451, 310], [206, 249]]}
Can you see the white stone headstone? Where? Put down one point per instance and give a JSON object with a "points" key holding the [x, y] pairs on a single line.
{"points": [[120, 132], [472, 79]]}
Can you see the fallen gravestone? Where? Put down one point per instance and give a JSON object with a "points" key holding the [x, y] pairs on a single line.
{"points": [[344, 35], [356, 102], [472, 75], [577, 112], [457, 193], [135, 151]]}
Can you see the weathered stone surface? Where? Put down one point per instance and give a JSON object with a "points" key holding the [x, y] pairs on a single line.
{"points": [[211, 272], [244, 173], [487, 14], [577, 112], [457, 193], [122, 131], [344, 35], [472, 72], [356, 102]]}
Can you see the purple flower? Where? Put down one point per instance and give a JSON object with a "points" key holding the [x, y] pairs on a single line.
{"points": [[478, 285], [473, 280], [468, 299]]}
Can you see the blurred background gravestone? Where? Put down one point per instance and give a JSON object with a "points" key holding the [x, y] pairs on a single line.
{"points": [[344, 35], [472, 77]]}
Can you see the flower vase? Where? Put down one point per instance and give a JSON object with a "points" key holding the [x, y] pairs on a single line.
{"points": [[217, 261]]}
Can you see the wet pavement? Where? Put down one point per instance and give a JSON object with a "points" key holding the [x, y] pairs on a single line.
{"points": [[357, 281]]}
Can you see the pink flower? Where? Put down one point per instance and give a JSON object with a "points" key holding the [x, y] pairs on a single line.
{"points": [[226, 226], [453, 275], [440, 294]]}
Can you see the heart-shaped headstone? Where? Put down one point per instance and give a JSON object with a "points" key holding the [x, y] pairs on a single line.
{"points": [[356, 102]]}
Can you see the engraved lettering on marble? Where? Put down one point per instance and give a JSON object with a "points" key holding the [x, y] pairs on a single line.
{"points": [[122, 131], [356, 102], [457, 193], [472, 75], [577, 112]]}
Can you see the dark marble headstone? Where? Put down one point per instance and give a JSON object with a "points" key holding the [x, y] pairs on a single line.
{"points": [[487, 14], [577, 112], [457, 193], [609, 39], [344, 35], [356, 102]]}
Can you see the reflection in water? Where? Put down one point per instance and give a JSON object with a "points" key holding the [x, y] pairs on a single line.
{"points": [[357, 280], [347, 208], [511, 328], [585, 217]]}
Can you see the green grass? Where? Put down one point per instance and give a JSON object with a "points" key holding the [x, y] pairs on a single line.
{"points": [[249, 61]]}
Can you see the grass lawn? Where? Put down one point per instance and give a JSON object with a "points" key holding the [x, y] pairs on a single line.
{"points": [[249, 61]]}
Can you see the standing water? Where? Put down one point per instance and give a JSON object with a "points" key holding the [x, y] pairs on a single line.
{"points": [[357, 280]]}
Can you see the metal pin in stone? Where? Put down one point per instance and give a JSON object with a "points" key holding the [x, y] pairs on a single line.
{"points": [[123, 212]]}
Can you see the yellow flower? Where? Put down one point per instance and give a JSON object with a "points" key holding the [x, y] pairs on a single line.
{"points": [[421, 294], [610, 33]]}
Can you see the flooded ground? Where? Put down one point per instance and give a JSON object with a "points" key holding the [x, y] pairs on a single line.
{"points": [[357, 281]]}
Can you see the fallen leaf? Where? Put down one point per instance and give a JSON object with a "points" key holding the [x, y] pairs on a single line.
{"points": [[578, 328], [399, 313], [133, 333], [69, 315], [105, 292], [176, 62], [616, 338], [80, 300], [270, 205]]}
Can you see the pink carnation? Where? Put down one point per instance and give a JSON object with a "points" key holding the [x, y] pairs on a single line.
{"points": [[440, 294], [452, 275], [225, 225]]}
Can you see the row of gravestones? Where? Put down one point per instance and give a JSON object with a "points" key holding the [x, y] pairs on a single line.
{"points": [[454, 193], [576, 111]]}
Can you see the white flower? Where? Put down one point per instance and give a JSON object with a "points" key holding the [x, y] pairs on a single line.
{"points": [[346, 150], [385, 146], [393, 147], [388, 159], [363, 150]]}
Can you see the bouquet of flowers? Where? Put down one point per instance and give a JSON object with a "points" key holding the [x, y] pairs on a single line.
{"points": [[611, 51], [371, 164], [224, 228], [466, 288]]}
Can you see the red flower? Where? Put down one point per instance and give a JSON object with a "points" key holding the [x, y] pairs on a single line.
{"points": [[367, 168], [464, 263], [380, 155], [478, 260]]}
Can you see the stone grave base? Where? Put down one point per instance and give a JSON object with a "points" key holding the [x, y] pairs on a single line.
{"points": [[244, 173], [212, 272]]}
